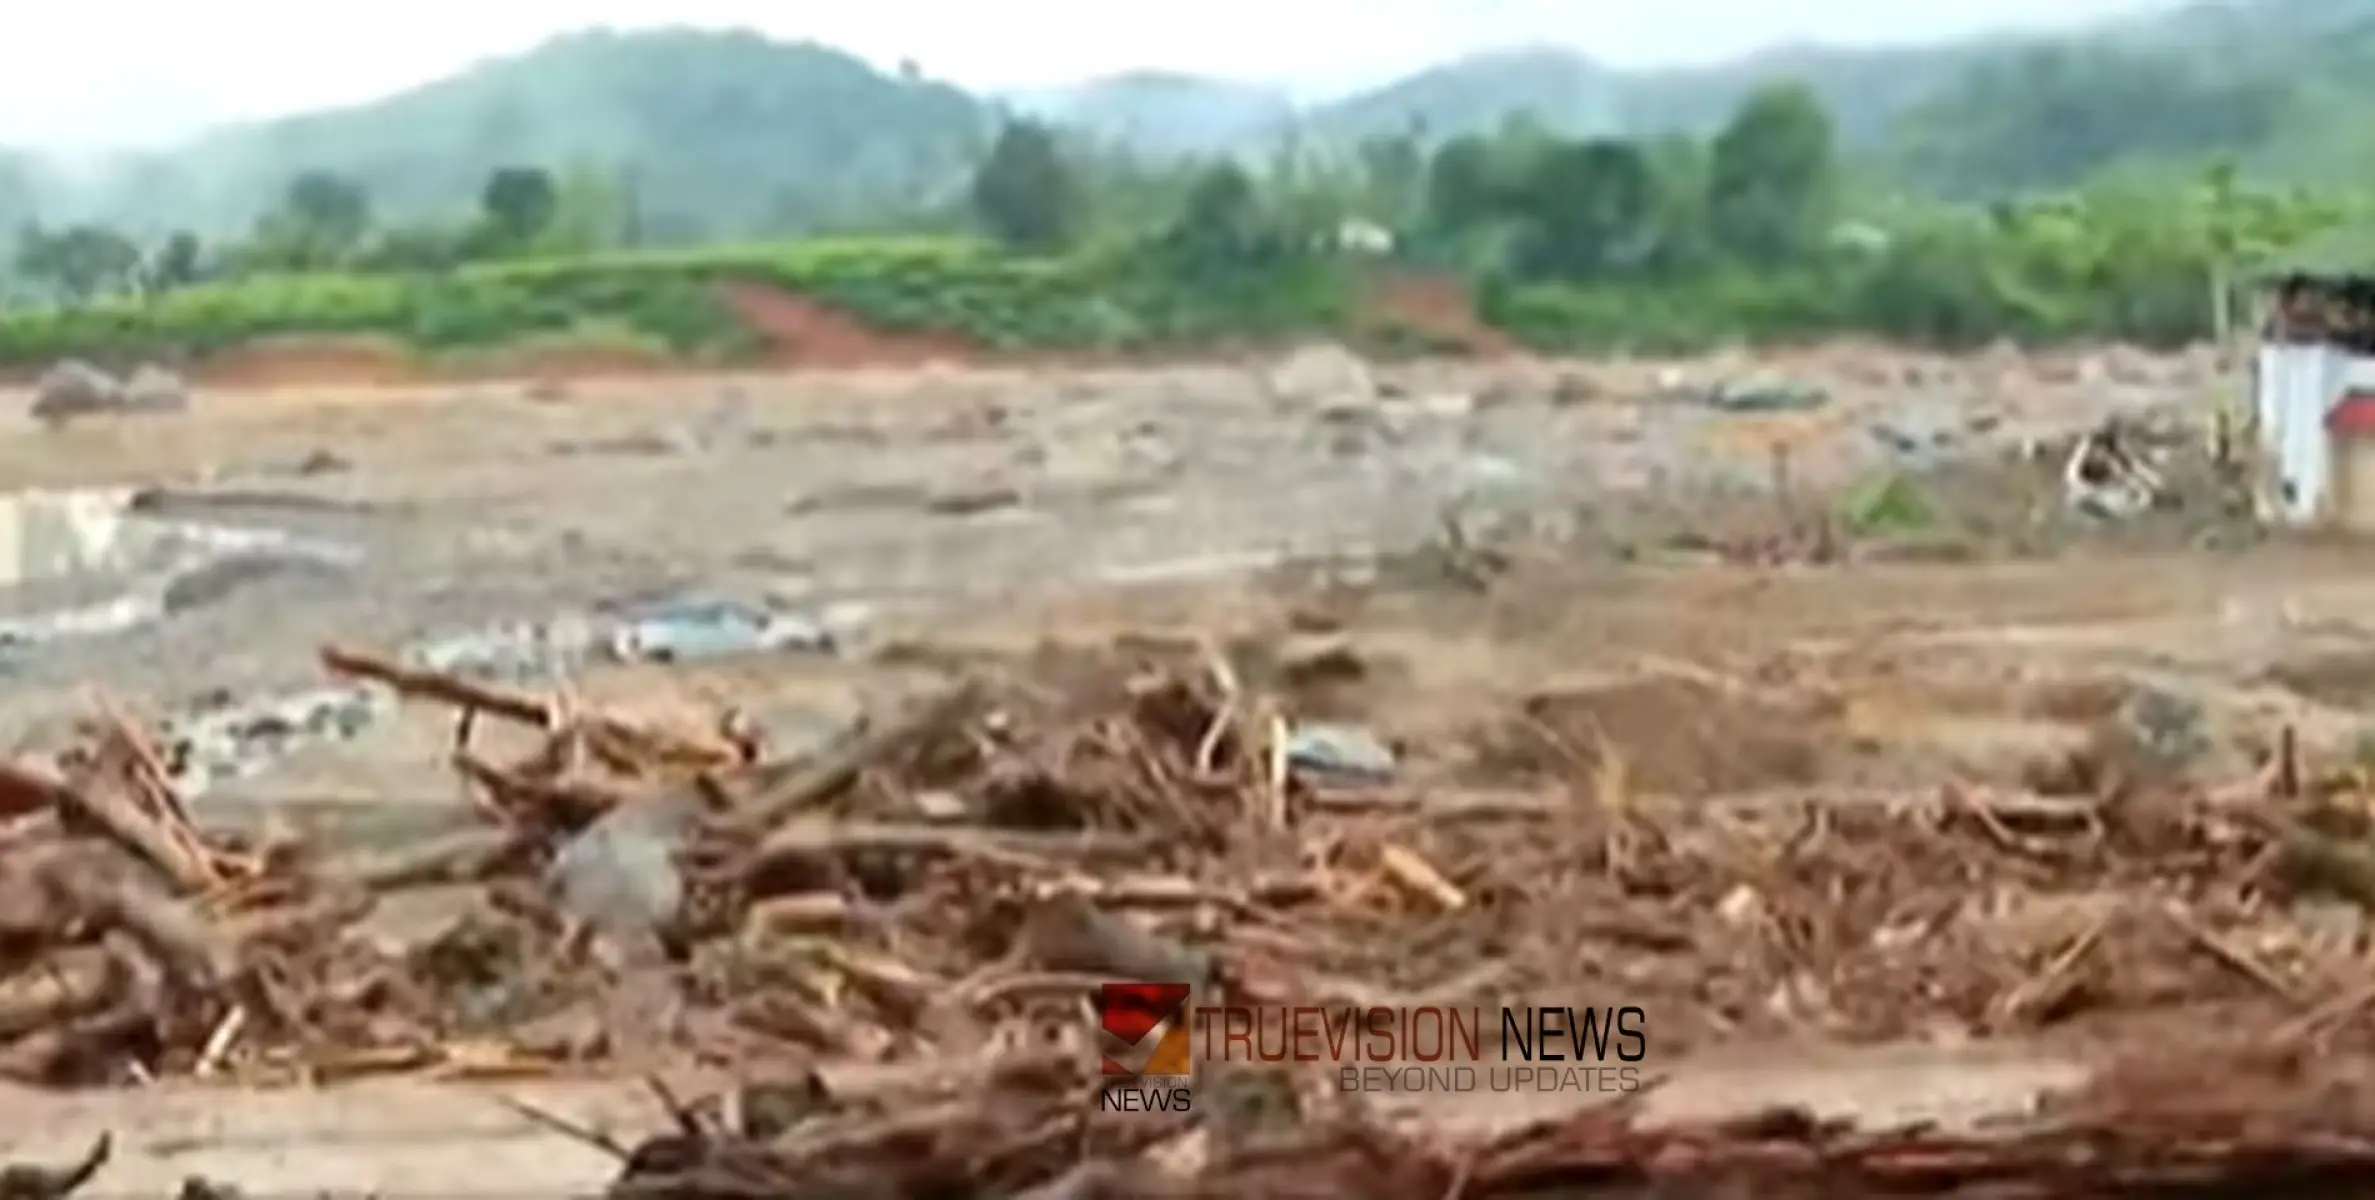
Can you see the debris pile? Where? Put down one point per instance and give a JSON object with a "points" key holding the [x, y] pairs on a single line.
{"points": [[2267, 1127], [894, 941]]}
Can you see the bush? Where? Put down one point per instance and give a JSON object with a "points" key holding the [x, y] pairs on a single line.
{"points": [[1110, 299]]}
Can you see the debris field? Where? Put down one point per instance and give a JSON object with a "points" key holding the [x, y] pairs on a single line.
{"points": [[871, 965], [893, 942]]}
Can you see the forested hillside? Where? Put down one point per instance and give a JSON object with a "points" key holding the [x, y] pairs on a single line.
{"points": [[687, 136], [706, 132], [2278, 86]]}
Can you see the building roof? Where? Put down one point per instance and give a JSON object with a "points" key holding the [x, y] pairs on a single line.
{"points": [[2354, 416]]}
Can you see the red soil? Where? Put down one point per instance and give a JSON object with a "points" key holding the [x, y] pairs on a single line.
{"points": [[798, 332], [1440, 307]]}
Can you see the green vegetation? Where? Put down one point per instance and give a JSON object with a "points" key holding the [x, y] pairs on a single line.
{"points": [[606, 187], [1576, 244], [712, 135], [672, 301], [731, 136]]}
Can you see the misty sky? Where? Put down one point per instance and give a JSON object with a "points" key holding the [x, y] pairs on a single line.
{"points": [[86, 73]]}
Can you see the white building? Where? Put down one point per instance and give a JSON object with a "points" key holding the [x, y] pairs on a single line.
{"points": [[2313, 392]]}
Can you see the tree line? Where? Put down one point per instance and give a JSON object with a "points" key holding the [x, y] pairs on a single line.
{"points": [[325, 222], [1763, 228]]}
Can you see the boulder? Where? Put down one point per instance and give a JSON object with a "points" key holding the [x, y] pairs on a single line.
{"points": [[619, 876], [154, 389], [74, 388], [1325, 374]]}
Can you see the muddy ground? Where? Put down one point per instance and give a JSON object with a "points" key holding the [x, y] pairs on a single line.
{"points": [[938, 510]]}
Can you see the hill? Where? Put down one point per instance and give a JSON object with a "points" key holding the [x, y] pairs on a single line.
{"points": [[1562, 88], [703, 135], [1167, 113], [2278, 86], [714, 133]]}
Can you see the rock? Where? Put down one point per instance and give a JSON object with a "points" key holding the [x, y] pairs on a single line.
{"points": [[1767, 396], [321, 462], [74, 388], [657, 442], [153, 389], [1345, 752], [2170, 729], [1574, 389], [1323, 374], [975, 496], [620, 875], [1448, 407], [1896, 440]]}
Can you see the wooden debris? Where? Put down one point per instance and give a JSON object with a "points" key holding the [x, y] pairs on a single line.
{"points": [[913, 982], [1407, 870]]}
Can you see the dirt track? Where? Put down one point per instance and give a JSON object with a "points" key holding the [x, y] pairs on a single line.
{"points": [[988, 508]]}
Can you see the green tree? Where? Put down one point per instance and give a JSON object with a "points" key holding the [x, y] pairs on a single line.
{"points": [[421, 248], [1592, 209], [329, 205], [1769, 177], [1220, 221], [519, 203], [1678, 164], [176, 261], [1462, 192], [79, 262], [590, 210], [1024, 193], [1396, 172], [2056, 116], [321, 222]]}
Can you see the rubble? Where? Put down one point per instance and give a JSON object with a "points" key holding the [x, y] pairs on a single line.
{"points": [[2109, 477], [891, 940], [1766, 396]]}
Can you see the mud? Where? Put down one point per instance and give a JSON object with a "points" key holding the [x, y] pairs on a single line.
{"points": [[994, 511]]}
